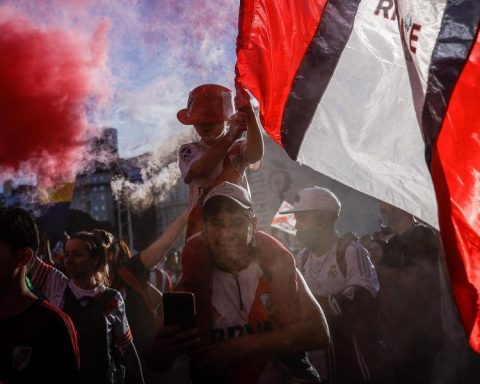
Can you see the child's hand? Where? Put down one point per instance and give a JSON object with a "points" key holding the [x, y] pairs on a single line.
{"points": [[242, 100], [237, 125]]}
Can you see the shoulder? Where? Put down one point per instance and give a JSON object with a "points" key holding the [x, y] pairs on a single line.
{"points": [[60, 334], [272, 254], [268, 244], [47, 310], [354, 254], [188, 151], [421, 241], [420, 233], [355, 248], [57, 320], [113, 301], [113, 295]]}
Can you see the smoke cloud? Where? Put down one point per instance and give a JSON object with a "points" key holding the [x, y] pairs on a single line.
{"points": [[157, 52], [159, 171], [52, 82]]}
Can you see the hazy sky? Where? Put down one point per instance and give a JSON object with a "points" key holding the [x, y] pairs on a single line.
{"points": [[156, 51]]}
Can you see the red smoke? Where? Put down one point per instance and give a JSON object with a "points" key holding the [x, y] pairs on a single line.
{"points": [[49, 79]]}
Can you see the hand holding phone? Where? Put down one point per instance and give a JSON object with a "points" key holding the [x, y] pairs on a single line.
{"points": [[179, 309], [169, 343]]}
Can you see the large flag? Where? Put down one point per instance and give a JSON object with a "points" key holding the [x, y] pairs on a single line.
{"points": [[343, 86]]}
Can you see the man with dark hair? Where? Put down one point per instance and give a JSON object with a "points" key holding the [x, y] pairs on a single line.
{"points": [[241, 334], [33, 333], [411, 282]]}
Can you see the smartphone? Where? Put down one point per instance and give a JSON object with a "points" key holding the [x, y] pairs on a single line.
{"points": [[179, 309]]}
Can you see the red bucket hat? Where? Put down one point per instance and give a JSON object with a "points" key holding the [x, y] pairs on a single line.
{"points": [[208, 103]]}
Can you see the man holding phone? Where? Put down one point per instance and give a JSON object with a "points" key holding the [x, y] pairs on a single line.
{"points": [[244, 336]]}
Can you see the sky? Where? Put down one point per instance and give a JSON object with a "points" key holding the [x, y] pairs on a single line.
{"points": [[135, 62]]}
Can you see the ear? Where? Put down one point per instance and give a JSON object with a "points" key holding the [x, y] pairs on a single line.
{"points": [[25, 255]]}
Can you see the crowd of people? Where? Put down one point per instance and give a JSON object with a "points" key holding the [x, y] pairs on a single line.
{"points": [[343, 310]]}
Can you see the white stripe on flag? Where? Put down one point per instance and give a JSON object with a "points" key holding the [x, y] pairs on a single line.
{"points": [[421, 26], [368, 120]]}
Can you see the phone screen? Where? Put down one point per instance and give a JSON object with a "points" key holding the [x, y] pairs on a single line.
{"points": [[179, 309]]}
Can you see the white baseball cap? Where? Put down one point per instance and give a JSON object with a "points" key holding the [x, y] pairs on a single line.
{"points": [[315, 199], [233, 191]]}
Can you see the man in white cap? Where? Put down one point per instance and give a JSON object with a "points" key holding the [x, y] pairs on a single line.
{"points": [[242, 336], [342, 278]]}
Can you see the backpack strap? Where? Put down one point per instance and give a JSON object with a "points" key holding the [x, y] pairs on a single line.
{"points": [[305, 256], [342, 246]]}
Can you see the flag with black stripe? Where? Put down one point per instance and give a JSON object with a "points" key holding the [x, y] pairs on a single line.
{"points": [[364, 92]]}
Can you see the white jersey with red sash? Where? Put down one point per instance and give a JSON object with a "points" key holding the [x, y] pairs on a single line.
{"points": [[241, 305]]}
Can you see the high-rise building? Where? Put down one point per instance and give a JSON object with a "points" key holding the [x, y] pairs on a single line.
{"points": [[93, 193], [22, 195]]}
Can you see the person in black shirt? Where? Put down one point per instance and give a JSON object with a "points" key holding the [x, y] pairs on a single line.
{"points": [[410, 289], [38, 342]]}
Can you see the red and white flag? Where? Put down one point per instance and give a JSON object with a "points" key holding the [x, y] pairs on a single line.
{"points": [[364, 92]]}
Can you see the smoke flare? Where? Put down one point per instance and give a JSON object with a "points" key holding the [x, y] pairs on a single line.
{"points": [[51, 84], [159, 171]]}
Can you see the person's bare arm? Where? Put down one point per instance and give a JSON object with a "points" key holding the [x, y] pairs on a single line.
{"points": [[154, 297], [156, 251], [254, 149], [278, 264], [210, 160], [311, 332]]}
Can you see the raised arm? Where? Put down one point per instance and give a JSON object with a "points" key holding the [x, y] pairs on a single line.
{"points": [[205, 165], [156, 251], [48, 280], [254, 150]]}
